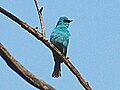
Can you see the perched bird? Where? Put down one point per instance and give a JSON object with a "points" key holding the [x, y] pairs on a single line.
{"points": [[60, 38]]}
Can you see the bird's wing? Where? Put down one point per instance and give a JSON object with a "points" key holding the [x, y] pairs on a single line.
{"points": [[60, 41], [59, 37]]}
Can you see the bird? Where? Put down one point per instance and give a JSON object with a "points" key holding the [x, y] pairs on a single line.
{"points": [[60, 39]]}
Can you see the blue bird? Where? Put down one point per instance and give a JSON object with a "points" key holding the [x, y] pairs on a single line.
{"points": [[60, 38]]}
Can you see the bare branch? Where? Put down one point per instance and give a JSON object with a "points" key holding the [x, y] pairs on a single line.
{"points": [[40, 17], [40, 37], [24, 73]]}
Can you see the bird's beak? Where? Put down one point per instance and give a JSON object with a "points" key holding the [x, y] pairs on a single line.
{"points": [[70, 20]]}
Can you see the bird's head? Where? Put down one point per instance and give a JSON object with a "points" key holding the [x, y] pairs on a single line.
{"points": [[64, 21]]}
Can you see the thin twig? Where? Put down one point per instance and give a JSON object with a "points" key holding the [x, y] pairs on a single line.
{"points": [[40, 37], [22, 71], [40, 17]]}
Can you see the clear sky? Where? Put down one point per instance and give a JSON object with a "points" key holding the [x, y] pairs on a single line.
{"points": [[94, 43]]}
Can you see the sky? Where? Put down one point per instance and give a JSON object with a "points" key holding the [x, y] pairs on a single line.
{"points": [[93, 49]]}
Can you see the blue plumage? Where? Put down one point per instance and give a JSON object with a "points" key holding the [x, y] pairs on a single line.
{"points": [[60, 38]]}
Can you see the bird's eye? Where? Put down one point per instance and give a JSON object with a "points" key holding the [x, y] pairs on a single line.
{"points": [[68, 21]]}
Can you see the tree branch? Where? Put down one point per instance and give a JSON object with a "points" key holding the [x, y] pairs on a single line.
{"points": [[40, 37], [24, 73], [40, 17]]}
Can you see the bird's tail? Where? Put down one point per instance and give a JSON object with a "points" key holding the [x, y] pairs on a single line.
{"points": [[57, 70]]}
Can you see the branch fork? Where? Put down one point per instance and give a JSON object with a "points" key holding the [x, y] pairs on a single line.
{"points": [[42, 37]]}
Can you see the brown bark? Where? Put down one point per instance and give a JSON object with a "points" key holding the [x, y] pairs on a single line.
{"points": [[22, 71], [42, 38]]}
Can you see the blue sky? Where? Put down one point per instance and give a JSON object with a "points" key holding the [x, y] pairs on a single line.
{"points": [[94, 43]]}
